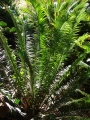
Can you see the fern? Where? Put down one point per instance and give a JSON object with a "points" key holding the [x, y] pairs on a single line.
{"points": [[42, 54]]}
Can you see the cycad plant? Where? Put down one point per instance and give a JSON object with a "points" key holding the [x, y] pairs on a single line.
{"points": [[46, 38]]}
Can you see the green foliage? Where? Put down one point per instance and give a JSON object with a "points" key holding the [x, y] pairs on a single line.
{"points": [[42, 50], [2, 24], [8, 2]]}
